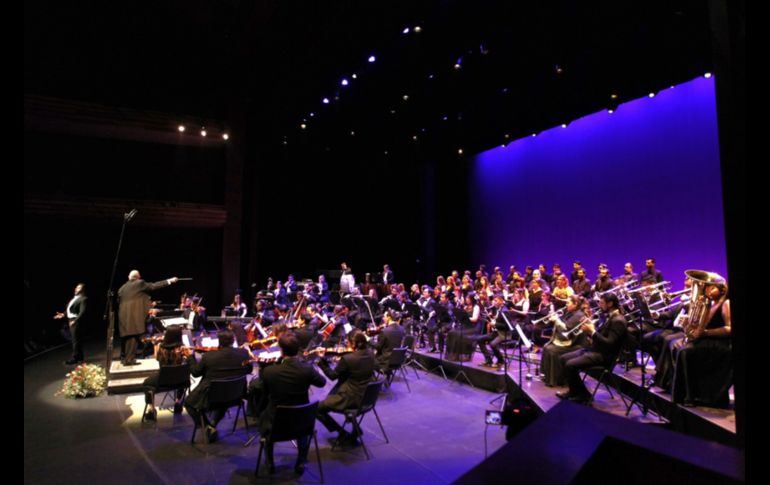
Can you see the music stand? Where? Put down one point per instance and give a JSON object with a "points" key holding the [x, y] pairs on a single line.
{"points": [[642, 398], [505, 358], [463, 317], [414, 313], [440, 311]]}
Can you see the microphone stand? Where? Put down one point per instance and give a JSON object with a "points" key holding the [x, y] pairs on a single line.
{"points": [[109, 309]]}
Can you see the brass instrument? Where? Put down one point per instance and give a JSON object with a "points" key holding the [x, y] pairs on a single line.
{"points": [[556, 313], [700, 302], [649, 287]]}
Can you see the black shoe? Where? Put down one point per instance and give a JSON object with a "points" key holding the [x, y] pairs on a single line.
{"points": [[71, 362], [151, 415], [563, 395], [581, 398], [178, 406], [211, 434], [433, 350], [299, 469]]}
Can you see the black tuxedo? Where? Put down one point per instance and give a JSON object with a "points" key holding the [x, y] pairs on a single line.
{"points": [[217, 364], [391, 337], [134, 298], [388, 278], [286, 384], [605, 346], [353, 373], [77, 308]]}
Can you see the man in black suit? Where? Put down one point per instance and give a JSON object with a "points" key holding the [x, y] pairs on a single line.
{"points": [[353, 373], [74, 313], [387, 276], [134, 298], [604, 348], [219, 364], [286, 384], [390, 338]]}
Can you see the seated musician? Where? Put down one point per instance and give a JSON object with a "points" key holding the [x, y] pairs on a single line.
{"points": [[581, 285], [224, 362], [237, 308], [703, 371], [169, 352], [604, 346], [390, 338], [196, 314], [551, 365], [286, 384], [538, 323], [322, 289], [353, 373], [667, 323], [604, 281], [497, 332], [469, 324]]}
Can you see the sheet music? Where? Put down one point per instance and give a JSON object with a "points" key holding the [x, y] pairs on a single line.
{"points": [[348, 328], [527, 343], [261, 330], [174, 321]]}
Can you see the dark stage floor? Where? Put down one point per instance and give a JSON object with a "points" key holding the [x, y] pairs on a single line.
{"points": [[436, 434]]}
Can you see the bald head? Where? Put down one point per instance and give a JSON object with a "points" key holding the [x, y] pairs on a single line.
{"points": [[134, 275]]}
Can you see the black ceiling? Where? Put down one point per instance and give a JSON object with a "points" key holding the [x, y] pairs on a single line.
{"points": [[526, 66]]}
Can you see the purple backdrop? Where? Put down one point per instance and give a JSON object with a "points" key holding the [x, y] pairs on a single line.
{"points": [[642, 182]]}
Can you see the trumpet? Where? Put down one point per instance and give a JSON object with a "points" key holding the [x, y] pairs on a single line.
{"points": [[556, 313], [577, 330], [617, 288], [642, 288]]}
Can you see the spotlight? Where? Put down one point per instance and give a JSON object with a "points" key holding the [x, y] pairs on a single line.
{"points": [[459, 151], [392, 111], [707, 75], [405, 97], [352, 133], [372, 58], [417, 29], [558, 69], [312, 115], [507, 136], [414, 137], [354, 76], [303, 126], [405, 31], [534, 135], [457, 66], [651, 95], [203, 131], [344, 82], [181, 128], [564, 125], [225, 136], [610, 111], [613, 96], [325, 101]]}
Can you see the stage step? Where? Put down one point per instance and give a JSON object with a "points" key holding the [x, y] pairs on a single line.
{"points": [[127, 379]]}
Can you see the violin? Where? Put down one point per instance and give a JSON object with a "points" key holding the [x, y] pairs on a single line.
{"points": [[336, 350]]}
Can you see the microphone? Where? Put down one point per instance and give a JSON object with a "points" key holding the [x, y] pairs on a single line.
{"points": [[130, 215]]}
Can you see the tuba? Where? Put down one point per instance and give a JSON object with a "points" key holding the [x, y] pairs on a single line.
{"points": [[700, 303]]}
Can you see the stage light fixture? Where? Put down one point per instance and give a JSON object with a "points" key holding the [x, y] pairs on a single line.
{"points": [[707, 75], [303, 126], [225, 136], [180, 128], [325, 101], [459, 151], [417, 29], [344, 82], [203, 131], [405, 31], [651, 95], [372, 59]]}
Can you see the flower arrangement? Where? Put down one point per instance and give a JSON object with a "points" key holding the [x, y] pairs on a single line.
{"points": [[85, 381]]}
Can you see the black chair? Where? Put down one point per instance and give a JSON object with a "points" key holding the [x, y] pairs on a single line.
{"points": [[409, 342], [292, 423], [224, 394], [356, 416], [396, 364], [171, 378], [605, 374]]}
